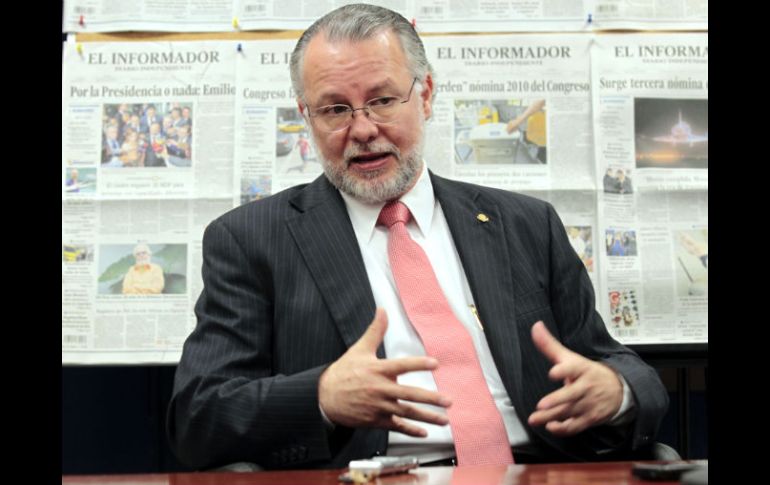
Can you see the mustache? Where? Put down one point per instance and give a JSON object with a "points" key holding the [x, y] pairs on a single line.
{"points": [[359, 149]]}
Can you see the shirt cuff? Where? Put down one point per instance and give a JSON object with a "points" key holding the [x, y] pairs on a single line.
{"points": [[329, 425], [627, 411]]}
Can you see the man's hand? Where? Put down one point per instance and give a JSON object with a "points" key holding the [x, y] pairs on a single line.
{"points": [[692, 246], [591, 395], [360, 390]]}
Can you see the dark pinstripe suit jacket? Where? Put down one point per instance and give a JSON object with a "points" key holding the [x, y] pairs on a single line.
{"points": [[286, 293]]}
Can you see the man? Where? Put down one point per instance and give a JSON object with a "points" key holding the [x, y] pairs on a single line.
{"points": [[292, 365], [111, 147], [610, 183], [180, 149], [186, 119], [148, 119], [133, 124], [623, 183], [533, 120], [72, 181], [156, 153], [144, 277]]}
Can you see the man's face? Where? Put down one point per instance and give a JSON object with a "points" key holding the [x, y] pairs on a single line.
{"points": [[142, 256], [372, 162]]}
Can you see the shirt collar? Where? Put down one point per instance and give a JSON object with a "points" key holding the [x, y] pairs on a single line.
{"points": [[420, 201]]}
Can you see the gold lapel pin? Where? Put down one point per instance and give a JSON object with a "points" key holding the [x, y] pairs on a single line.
{"points": [[482, 218]]}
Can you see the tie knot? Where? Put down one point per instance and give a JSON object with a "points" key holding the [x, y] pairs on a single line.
{"points": [[393, 212]]}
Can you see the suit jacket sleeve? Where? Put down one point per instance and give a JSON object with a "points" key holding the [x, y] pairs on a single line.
{"points": [[229, 404], [582, 330]]}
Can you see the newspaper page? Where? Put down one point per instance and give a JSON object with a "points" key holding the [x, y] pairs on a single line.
{"points": [[650, 105], [147, 133], [649, 14], [429, 16], [151, 119], [512, 111], [148, 15], [273, 146]]}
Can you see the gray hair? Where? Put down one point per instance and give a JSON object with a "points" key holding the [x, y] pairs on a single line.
{"points": [[357, 22], [142, 247]]}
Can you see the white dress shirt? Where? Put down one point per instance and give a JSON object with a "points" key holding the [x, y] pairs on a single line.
{"points": [[429, 229]]}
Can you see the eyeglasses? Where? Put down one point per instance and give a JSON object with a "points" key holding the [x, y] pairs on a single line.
{"points": [[337, 117]]}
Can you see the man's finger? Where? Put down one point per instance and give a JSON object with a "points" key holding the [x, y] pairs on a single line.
{"points": [[372, 338], [564, 395], [568, 427], [396, 367], [560, 412], [402, 426], [416, 413], [418, 395], [569, 370], [547, 344]]}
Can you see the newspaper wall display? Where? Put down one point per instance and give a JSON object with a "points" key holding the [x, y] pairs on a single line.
{"points": [[650, 105], [546, 115], [430, 16], [147, 134]]}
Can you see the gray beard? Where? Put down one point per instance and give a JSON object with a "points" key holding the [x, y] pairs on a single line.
{"points": [[367, 189]]}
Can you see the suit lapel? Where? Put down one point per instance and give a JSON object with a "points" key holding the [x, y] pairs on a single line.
{"points": [[325, 237], [483, 250]]}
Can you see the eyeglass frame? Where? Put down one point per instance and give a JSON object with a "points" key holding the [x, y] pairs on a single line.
{"points": [[366, 108]]}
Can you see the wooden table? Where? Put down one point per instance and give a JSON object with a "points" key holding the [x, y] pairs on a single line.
{"points": [[610, 473]]}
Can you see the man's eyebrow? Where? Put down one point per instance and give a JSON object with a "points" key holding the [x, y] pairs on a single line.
{"points": [[375, 91]]}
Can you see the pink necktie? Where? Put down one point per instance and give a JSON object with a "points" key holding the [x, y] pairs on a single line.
{"points": [[477, 427]]}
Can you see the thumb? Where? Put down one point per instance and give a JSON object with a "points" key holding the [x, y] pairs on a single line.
{"points": [[372, 338], [547, 343]]}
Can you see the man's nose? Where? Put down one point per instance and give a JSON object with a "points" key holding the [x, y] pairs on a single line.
{"points": [[362, 128]]}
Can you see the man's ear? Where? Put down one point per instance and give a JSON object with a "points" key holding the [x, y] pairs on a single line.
{"points": [[427, 96]]}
